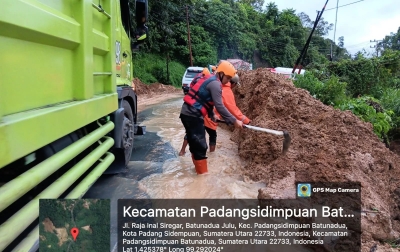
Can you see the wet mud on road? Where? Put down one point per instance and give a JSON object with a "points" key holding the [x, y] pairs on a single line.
{"points": [[148, 156], [156, 170]]}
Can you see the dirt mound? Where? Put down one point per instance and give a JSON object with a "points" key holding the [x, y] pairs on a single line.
{"points": [[153, 89], [328, 145]]}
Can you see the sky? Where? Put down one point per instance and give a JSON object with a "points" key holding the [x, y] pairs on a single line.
{"points": [[358, 23]]}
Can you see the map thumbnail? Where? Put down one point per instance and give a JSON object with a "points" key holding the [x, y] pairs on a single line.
{"points": [[70, 225]]}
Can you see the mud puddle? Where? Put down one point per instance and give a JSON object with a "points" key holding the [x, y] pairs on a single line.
{"points": [[179, 179]]}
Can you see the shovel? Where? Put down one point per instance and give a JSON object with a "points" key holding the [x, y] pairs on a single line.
{"points": [[286, 141]]}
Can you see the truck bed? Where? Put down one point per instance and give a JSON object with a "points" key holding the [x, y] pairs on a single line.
{"points": [[56, 74]]}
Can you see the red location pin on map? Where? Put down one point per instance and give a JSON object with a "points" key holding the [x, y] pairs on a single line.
{"points": [[74, 233]]}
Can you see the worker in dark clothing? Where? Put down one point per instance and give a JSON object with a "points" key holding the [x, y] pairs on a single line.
{"points": [[199, 102], [228, 99], [203, 74], [140, 34]]}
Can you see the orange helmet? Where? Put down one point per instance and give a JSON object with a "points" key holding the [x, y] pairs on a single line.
{"points": [[213, 68], [206, 71], [227, 68]]}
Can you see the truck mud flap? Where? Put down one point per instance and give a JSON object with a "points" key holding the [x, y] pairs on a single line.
{"points": [[118, 118], [118, 166]]}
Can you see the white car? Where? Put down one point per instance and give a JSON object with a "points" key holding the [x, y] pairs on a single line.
{"points": [[188, 76], [287, 72]]}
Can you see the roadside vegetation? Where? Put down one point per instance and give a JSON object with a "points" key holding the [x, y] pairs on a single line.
{"points": [[151, 68], [368, 85], [222, 29]]}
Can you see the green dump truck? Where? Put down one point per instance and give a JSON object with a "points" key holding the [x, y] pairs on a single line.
{"points": [[68, 107]]}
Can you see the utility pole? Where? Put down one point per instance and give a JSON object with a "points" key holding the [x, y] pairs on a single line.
{"points": [[375, 46], [188, 27], [304, 51], [334, 33]]}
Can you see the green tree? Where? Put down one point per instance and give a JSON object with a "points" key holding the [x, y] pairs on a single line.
{"points": [[391, 41], [341, 42], [221, 29]]}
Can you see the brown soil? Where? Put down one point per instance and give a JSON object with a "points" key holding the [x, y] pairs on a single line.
{"points": [[395, 147], [153, 89], [48, 225], [62, 235], [328, 145], [154, 93]]}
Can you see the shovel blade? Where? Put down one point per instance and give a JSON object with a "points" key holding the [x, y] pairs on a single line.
{"points": [[286, 142]]}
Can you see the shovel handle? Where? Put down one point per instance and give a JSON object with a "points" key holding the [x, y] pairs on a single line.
{"points": [[275, 132]]}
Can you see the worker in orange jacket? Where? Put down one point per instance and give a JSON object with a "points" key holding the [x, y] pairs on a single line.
{"points": [[213, 69], [229, 101]]}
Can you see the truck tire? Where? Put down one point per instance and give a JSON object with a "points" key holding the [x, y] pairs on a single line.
{"points": [[127, 131]]}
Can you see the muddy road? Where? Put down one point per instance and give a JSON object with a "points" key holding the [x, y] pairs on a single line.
{"points": [[157, 171]]}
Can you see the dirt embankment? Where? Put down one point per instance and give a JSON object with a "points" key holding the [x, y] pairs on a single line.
{"points": [[154, 93], [153, 89], [328, 145]]}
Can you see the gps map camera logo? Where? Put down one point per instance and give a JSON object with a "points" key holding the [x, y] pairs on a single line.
{"points": [[303, 190]]}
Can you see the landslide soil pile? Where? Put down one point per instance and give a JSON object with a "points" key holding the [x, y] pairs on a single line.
{"points": [[153, 89], [328, 145]]}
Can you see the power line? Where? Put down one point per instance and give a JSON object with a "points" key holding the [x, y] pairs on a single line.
{"points": [[334, 33], [375, 46], [355, 45], [344, 5]]}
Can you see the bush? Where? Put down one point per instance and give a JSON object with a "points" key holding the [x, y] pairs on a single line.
{"points": [[391, 101], [333, 91], [370, 110], [308, 82], [150, 68], [369, 76], [329, 91]]}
